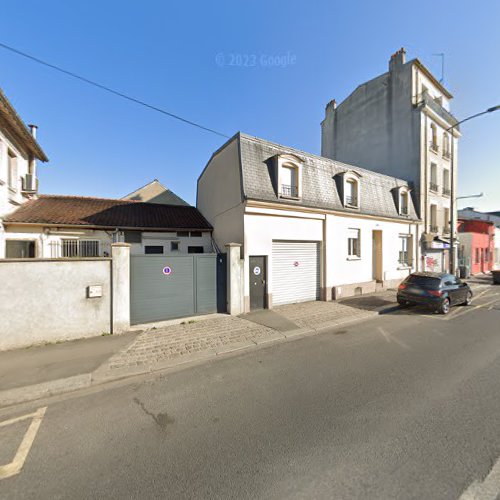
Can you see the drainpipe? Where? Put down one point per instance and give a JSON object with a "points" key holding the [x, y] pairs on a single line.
{"points": [[32, 159]]}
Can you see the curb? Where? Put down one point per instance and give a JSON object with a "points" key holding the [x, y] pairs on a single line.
{"points": [[31, 392], [103, 375]]}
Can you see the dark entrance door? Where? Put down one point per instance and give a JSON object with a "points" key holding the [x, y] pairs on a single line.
{"points": [[258, 275]]}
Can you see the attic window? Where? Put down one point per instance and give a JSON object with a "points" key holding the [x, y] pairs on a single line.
{"points": [[351, 189], [403, 202], [351, 192], [289, 176], [289, 181]]}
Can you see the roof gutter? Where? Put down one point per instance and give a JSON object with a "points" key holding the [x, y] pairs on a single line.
{"points": [[108, 228]]}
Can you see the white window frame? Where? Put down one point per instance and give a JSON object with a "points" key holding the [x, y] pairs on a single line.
{"points": [[404, 202], [405, 248], [354, 180], [353, 243], [295, 163]]}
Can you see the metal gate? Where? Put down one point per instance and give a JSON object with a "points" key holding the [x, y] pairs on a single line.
{"points": [[296, 272], [167, 287]]}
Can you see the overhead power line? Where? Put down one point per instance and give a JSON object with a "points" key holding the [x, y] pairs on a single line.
{"points": [[112, 91]]}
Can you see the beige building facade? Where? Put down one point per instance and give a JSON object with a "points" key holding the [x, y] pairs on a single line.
{"points": [[399, 124]]}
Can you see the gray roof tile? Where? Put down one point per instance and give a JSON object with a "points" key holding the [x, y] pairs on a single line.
{"points": [[319, 188]]}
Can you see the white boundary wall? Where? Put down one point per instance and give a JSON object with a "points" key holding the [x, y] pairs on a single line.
{"points": [[47, 300]]}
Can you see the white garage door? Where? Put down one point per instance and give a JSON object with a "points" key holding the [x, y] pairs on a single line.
{"points": [[295, 272]]}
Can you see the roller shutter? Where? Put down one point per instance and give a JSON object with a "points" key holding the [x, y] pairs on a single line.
{"points": [[296, 272]]}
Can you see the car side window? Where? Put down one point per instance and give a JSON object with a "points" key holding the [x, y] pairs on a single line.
{"points": [[449, 280]]}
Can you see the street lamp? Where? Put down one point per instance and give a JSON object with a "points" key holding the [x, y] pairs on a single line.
{"points": [[453, 221]]}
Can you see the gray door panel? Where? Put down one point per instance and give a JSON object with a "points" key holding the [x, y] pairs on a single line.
{"points": [[167, 287], [206, 281]]}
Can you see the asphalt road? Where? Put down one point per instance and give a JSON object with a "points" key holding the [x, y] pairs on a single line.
{"points": [[403, 406]]}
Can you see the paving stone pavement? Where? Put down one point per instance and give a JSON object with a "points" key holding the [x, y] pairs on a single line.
{"points": [[181, 340], [173, 344], [316, 315]]}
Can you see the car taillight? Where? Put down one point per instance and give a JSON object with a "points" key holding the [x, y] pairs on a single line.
{"points": [[436, 293], [402, 286]]}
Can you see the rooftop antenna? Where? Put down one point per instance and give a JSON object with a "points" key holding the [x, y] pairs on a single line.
{"points": [[441, 55]]}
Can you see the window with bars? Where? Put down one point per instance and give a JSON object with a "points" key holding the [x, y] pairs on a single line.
{"points": [[80, 248]]}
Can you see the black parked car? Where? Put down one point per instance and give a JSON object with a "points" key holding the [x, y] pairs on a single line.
{"points": [[437, 290]]}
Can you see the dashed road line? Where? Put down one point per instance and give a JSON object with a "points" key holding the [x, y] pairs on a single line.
{"points": [[15, 467]]}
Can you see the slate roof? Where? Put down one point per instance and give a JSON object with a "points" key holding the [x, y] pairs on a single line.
{"points": [[107, 213], [319, 185]]}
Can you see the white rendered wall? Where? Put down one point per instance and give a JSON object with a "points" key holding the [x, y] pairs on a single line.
{"points": [[343, 270], [261, 230], [46, 301]]}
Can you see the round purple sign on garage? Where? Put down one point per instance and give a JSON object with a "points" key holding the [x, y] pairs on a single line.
{"points": [[167, 271]]}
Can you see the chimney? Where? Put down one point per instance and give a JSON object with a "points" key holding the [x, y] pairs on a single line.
{"points": [[33, 129], [397, 59], [332, 104]]}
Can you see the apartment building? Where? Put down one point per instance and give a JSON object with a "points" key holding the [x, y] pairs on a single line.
{"points": [[400, 124]]}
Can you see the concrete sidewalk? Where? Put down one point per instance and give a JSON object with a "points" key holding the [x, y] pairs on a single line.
{"points": [[36, 372]]}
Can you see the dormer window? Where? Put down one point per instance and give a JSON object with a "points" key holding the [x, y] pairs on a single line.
{"points": [[403, 202], [289, 181], [351, 191], [289, 174]]}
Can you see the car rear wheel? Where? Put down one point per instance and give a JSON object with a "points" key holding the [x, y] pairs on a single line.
{"points": [[402, 302], [445, 306], [468, 300]]}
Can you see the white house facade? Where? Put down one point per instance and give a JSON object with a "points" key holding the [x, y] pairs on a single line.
{"points": [[310, 228], [19, 152], [55, 226], [399, 124]]}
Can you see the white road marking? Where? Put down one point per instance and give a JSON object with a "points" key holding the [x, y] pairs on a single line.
{"points": [[389, 338], [488, 489], [14, 467], [468, 309]]}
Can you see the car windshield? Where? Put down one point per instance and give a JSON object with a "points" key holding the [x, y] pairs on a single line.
{"points": [[425, 281]]}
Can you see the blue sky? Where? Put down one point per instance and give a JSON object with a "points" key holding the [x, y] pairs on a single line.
{"points": [[178, 55]]}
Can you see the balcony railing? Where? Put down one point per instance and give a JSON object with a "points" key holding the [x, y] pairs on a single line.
{"points": [[351, 201], [446, 230], [434, 229], [434, 147], [426, 99], [446, 191], [291, 191], [433, 187], [447, 155]]}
